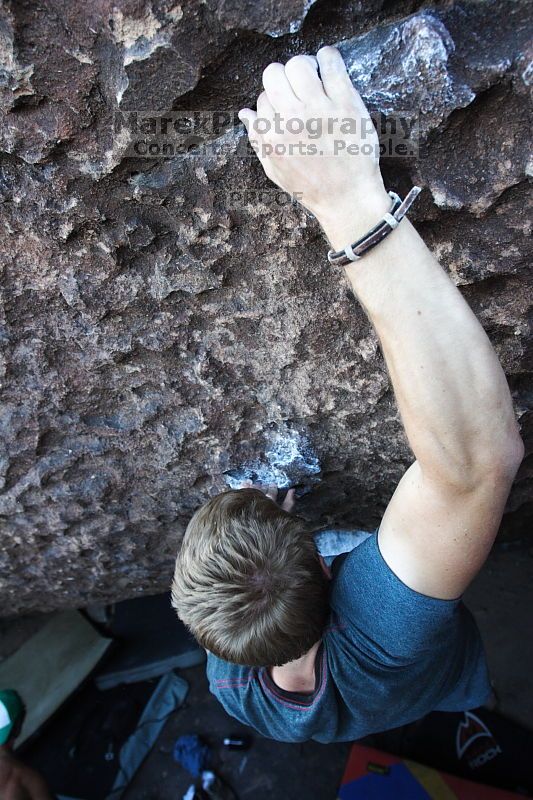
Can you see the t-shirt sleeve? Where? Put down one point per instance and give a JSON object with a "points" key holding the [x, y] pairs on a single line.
{"points": [[389, 621]]}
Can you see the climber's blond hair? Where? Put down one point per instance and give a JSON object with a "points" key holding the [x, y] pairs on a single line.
{"points": [[248, 581]]}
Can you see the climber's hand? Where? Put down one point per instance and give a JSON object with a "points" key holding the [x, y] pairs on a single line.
{"points": [[307, 150], [271, 490]]}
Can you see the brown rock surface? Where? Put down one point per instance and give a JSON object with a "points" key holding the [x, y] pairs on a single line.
{"points": [[159, 333]]}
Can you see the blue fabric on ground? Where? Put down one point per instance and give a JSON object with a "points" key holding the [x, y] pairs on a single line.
{"points": [[191, 753], [168, 695]]}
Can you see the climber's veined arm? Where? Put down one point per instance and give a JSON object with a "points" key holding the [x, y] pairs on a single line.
{"points": [[450, 388]]}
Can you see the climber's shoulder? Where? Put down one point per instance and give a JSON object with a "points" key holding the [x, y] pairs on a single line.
{"points": [[435, 535]]}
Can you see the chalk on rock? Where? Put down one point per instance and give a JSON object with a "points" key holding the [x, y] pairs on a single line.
{"points": [[289, 460]]}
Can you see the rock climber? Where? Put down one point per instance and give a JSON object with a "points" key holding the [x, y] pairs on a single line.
{"points": [[300, 649]]}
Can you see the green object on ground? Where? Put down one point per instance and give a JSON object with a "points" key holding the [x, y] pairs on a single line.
{"points": [[11, 713]]}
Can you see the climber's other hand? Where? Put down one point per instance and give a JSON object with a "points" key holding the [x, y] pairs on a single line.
{"points": [[271, 490]]}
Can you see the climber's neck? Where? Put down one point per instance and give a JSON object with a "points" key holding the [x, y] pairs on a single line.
{"points": [[298, 675]]}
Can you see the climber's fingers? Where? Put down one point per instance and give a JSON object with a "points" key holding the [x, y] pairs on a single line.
{"points": [[265, 109], [249, 119], [247, 116], [279, 90], [272, 491], [290, 501], [335, 78], [265, 112], [302, 75]]}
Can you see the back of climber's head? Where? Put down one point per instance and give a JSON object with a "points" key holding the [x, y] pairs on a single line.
{"points": [[248, 581]]}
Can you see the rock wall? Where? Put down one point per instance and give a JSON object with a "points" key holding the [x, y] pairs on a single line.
{"points": [[160, 337]]}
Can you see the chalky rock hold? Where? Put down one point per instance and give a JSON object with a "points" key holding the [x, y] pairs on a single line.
{"points": [[287, 460], [404, 69], [422, 71], [162, 332]]}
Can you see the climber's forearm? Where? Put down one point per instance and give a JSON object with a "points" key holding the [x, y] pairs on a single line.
{"points": [[451, 390]]}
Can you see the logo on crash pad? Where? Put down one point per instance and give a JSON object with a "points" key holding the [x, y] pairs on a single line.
{"points": [[471, 730]]}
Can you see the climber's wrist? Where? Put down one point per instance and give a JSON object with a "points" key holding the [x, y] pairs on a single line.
{"points": [[354, 213]]}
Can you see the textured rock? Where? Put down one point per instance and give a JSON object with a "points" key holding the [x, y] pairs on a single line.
{"points": [[275, 19], [160, 338]]}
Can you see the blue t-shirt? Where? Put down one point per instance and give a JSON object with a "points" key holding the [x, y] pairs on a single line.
{"points": [[388, 656]]}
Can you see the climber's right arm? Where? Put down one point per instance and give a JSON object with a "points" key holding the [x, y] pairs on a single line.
{"points": [[456, 409], [457, 413], [450, 388]]}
